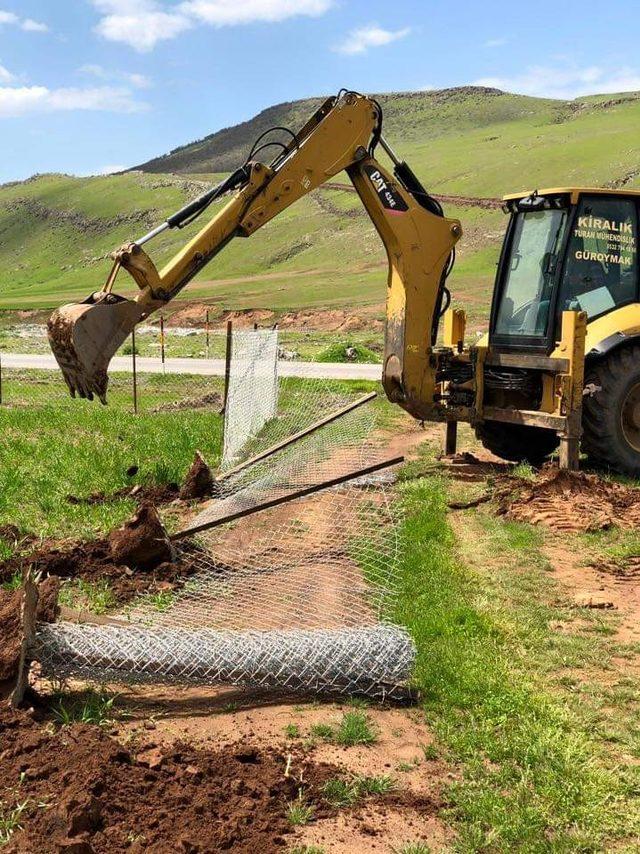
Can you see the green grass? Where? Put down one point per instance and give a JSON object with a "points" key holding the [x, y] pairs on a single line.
{"points": [[162, 600], [299, 812], [97, 597], [534, 774], [10, 817], [340, 353], [292, 731], [91, 707], [342, 793], [47, 454], [354, 728], [306, 849], [412, 848], [15, 582]]}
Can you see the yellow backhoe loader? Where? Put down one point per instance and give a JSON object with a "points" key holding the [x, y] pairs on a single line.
{"points": [[560, 365]]}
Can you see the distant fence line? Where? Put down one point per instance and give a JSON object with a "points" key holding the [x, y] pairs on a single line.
{"points": [[130, 390]]}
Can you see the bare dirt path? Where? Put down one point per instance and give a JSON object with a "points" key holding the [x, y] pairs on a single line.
{"points": [[220, 717]]}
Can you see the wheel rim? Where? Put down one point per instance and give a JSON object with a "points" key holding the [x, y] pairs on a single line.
{"points": [[630, 417]]}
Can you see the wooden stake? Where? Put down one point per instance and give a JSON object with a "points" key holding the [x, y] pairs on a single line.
{"points": [[290, 440], [284, 499], [28, 611]]}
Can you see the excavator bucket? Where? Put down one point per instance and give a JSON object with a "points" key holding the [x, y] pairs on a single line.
{"points": [[84, 336]]}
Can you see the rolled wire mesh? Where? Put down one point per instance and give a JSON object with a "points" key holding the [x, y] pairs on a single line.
{"points": [[297, 597], [371, 660]]}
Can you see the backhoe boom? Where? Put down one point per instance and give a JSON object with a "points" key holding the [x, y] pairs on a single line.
{"points": [[341, 135]]}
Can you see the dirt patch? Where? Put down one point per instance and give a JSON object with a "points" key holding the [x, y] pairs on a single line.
{"points": [[11, 622], [93, 562], [568, 501], [232, 717], [199, 480], [205, 401], [157, 494], [329, 320], [627, 569], [86, 793]]}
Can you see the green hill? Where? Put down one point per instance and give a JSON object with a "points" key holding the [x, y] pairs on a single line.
{"points": [[56, 231]]}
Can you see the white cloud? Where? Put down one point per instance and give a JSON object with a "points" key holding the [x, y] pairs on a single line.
{"points": [[222, 13], [5, 75], [138, 81], [26, 24], [142, 24], [31, 26], [495, 42], [566, 82], [363, 38], [21, 100]]}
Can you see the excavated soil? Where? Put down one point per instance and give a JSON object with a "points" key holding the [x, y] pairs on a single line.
{"points": [[158, 495], [93, 561], [11, 624], [568, 501], [142, 542], [199, 480], [204, 401], [85, 792]]}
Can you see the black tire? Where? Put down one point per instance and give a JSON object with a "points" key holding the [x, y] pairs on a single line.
{"points": [[611, 412], [517, 443]]}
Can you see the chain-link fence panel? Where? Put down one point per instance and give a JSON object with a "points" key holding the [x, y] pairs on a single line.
{"points": [[252, 389], [300, 596]]}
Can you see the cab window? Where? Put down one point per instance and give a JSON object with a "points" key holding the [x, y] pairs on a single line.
{"points": [[601, 270]]}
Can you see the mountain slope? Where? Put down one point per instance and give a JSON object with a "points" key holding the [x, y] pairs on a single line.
{"points": [[56, 231], [410, 116]]}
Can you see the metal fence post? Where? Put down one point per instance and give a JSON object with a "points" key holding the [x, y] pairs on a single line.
{"points": [[227, 365], [135, 375], [162, 343], [206, 326]]}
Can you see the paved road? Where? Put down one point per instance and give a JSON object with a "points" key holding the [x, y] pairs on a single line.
{"points": [[205, 367]]}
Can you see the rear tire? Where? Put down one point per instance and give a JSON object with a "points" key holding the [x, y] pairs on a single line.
{"points": [[517, 443], [611, 412]]}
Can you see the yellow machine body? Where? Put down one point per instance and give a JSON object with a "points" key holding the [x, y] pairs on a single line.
{"points": [[520, 386]]}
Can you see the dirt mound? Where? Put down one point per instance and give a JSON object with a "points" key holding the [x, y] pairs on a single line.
{"points": [[11, 623], [205, 401], [627, 569], [568, 501], [93, 562], [199, 480], [84, 792], [157, 494], [142, 542]]}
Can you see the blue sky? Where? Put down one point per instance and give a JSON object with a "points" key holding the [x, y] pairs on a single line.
{"points": [[88, 86]]}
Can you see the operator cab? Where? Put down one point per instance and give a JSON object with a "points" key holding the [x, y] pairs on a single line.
{"points": [[564, 250]]}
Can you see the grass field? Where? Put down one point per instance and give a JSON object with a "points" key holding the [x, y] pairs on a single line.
{"points": [[49, 453], [322, 253], [540, 723], [538, 726]]}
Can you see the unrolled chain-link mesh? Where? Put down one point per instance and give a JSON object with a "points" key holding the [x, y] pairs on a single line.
{"points": [[253, 376], [298, 597]]}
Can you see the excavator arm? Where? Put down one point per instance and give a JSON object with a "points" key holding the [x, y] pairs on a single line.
{"points": [[341, 135]]}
